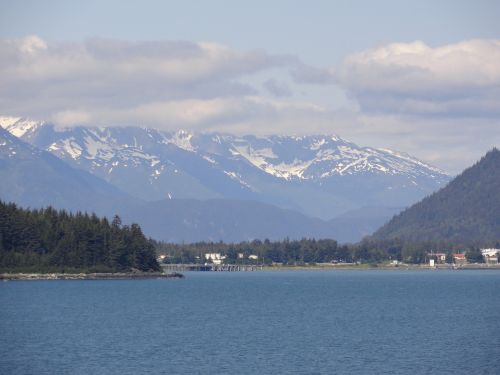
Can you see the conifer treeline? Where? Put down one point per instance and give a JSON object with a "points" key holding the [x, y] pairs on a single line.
{"points": [[307, 251], [57, 241]]}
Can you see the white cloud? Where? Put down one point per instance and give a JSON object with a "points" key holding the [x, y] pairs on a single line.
{"points": [[71, 117], [79, 81], [200, 114], [170, 62], [450, 143], [461, 79], [163, 84], [440, 104], [32, 44]]}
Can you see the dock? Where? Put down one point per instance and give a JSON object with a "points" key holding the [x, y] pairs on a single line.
{"points": [[210, 267]]}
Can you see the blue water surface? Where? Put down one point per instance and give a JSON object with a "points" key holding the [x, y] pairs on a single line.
{"points": [[298, 322]]}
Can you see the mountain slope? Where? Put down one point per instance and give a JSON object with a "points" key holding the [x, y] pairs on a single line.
{"points": [[467, 209], [320, 176], [189, 220], [354, 225], [35, 178]]}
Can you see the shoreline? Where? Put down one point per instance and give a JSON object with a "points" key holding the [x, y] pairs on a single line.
{"points": [[382, 267], [89, 276], [328, 267], [177, 275]]}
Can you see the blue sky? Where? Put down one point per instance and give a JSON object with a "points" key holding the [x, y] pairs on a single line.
{"points": [[406, 75], [320, 32]]}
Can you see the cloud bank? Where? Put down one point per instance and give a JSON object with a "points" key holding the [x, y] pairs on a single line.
{"points": [[439, 103], [112, 82], [461, 79]]}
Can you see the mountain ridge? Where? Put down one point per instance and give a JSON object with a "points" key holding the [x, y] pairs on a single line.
{"points": [[321, 176]]}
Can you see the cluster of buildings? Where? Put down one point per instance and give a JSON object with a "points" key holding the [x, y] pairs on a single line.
{"points": [[490, 256], [213, 258], [217, 258]]}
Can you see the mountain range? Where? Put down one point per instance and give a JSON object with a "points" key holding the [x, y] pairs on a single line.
{"points": [[36, 178], [342, 190]]}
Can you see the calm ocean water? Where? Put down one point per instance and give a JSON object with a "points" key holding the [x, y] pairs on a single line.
{"points": [[300, 322]]}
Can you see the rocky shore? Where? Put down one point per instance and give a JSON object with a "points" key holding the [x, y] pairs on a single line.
{"points": [[90, 276]]}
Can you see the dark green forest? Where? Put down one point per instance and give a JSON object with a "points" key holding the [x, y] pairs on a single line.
{"points": [[467, 210], [48, 240]]}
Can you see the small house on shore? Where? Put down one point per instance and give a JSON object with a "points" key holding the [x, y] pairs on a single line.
{"points": [[459, 258], [215, 258], [490, 255], [439, 258]]}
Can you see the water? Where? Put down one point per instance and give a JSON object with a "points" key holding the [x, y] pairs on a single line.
{"points": [[310, 322]]}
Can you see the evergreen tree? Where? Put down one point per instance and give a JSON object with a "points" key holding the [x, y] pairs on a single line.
{"points": [[48, 239]]}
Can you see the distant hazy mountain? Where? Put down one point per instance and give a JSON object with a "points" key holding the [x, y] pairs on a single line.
{"points": [[189, 220], [321, 176], [467, 209], [352, 226]]}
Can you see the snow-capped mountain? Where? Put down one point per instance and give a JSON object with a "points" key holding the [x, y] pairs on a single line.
{"points": [[319, 175], [35, 178], [320, 157], [19, 126]]}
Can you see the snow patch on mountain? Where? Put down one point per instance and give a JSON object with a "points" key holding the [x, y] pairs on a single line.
{"points": [[408, 158], [70, 146], [263, 159], [18, 126], [209, 159], [95, 147], [6, 121], [237, 177], [181, 139]]}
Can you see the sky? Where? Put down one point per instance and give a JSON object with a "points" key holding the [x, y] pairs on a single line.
{"points": [[421, 77]]}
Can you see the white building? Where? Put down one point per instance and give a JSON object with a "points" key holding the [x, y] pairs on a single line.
{"points": [[490, 255], [490, 252], [216, 258]]}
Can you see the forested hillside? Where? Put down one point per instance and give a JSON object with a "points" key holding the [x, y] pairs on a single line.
{"points": [[57, 241], [466, 210]]}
